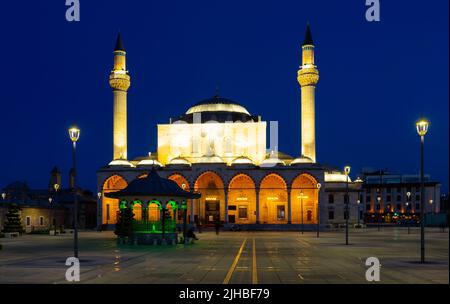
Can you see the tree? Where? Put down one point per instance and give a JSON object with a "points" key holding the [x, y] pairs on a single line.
{"points": [[13, 220], [124, 225]]}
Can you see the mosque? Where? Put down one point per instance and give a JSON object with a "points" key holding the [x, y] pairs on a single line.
{"points": [[219, 149]]}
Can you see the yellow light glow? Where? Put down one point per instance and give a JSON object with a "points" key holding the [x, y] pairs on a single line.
{"points": [[272, 198], [211, 198], [302, 196], [242, 199], [74, 134], [422, 127]]}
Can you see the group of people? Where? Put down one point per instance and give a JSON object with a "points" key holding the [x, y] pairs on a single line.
{"points": [[190, 233]]}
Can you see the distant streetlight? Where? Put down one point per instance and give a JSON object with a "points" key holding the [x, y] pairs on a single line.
{"points": [[408, 195], [347, 199], [378, 208], [74, 134], [3, 195], [422, 129], [319, 185]]}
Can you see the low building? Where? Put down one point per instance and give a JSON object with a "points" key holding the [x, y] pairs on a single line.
{"points": [[392, 197], [42, 209]]}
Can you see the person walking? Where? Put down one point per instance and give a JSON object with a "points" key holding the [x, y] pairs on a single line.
{"points": [[217, 226]]}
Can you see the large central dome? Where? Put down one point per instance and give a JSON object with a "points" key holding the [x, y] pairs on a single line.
{"points": [[217, 109], [217, 104]]}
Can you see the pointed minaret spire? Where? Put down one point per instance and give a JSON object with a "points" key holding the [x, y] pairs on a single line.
{"points": [[308, 36], [119, 43]]}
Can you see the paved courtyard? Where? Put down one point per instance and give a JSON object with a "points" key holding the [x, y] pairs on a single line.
{"points": [[232, 257]]}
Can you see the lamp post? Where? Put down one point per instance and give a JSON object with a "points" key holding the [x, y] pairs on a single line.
{"points": [[358, 202], [56, 187], [99, 207], [422, 129], [74, 134], [50, 200], [408, 195], [318, 209], [378, 208], [347, 199]]}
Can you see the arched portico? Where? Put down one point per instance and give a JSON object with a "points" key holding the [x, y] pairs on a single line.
{"points": [[212, 203], [304, 199], [273, 200], [241, 200], [110, 206]]}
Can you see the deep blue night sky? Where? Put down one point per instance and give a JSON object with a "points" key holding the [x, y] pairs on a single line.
{"points": [[376, 78]]}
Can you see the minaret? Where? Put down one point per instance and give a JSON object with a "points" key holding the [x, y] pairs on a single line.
{"points": [[119, 80], [308, 76]]}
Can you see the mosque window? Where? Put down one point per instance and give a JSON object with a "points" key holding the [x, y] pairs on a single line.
{"points": [[41, 221], [331, 215], [28, 221], [243, 212]]}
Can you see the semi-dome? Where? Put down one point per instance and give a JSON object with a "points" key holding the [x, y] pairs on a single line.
{"points": [[242, 160], [302, 160], [179, 161]]}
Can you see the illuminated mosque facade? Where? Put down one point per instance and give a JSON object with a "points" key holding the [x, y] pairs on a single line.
{"points": [[218, 148]]}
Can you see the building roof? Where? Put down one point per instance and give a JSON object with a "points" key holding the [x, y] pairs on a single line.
{"points": [[308, 36], [153, 185], [217, 104], [119, 43]]}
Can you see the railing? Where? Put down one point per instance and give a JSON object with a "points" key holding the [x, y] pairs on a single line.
{"points": [[154, 226]]}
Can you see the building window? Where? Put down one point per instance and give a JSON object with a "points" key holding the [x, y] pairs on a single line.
{"points": [[280, 212], [243, 212], [417, 197], [368, 207], [399, 198], [28, 220], [388, 198], [330, 199], [41, 221], [331, 215]]}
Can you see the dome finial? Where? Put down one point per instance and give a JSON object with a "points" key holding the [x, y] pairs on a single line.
{"points": [[217, 92]]}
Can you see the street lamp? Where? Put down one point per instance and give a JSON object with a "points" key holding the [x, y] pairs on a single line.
{"points": [[301, 197], [99, 207], [56, 187], [3, 196], [358, 202], [422, 129], [408, 195], [318, 209], [74, 134], [347, 199], [378, 208]]}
